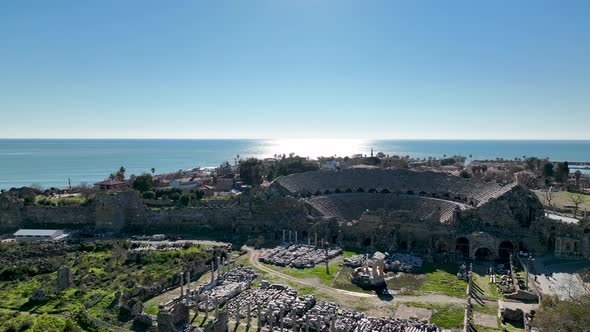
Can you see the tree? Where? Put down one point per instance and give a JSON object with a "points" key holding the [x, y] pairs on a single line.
{"points": [[251, 171], [465, 174], [119, 252], [548, 170], [563, 171], [143, 182], [570, 315], [548, 196], [119, 175], [577, 199], [185, 199], [577, 176], [149, 195]]}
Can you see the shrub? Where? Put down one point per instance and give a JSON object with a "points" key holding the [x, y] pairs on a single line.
{"points": [[149, 195]]}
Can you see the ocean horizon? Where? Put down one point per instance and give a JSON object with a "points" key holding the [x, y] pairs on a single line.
{"points": [[51, 162]]}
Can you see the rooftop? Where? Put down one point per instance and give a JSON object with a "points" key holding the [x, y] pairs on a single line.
{"points": [[36, 232]]}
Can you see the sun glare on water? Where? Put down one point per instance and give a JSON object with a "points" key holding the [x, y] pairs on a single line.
{"points": [[314, 148]]}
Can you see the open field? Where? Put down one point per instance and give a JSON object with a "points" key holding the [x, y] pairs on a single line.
{"points": [[561, 200]]}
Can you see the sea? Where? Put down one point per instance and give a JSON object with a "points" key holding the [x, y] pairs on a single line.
{"points": [[57, 162]]}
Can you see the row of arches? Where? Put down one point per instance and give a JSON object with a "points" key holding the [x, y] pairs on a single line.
{"points": [[445, 195], [462, 247]]}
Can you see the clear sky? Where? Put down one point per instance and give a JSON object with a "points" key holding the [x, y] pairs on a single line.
{"points": [[295, 69]]}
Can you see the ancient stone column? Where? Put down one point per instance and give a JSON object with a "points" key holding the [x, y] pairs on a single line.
{"points": [[308, 240], [237, 312], [259, 317], [306, 323], [270, 321], [188, 287], [281, 320], [289, 236], [318, 323], [181, 275], [222, 265], [212, 272], [206, 306], [248, 313], [283, 236], [316, 239], [332, 323], [216, 309], [295, 237], [218, 267]]}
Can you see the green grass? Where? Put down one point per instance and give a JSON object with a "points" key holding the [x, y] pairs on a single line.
{"points": [[17, 321], [318, 271], [98, 275], [15, 294], [152, 309], [487, 310], [446, 316], [442, 279], [488, 291]]}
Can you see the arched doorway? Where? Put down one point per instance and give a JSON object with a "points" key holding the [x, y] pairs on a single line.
{"points": [[462, 246], [505, 249], [403, 245], [484, 254], [441, 247]]}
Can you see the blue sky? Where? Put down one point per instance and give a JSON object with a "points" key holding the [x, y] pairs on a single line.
{"points": [[295, 69]]}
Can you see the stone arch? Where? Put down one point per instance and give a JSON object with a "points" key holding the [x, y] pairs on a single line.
{"points": [[551, 243], [410, 192], [327, 192], [403, 245], [385, 191], [505, 249], [372, 190], [435, 195], [484, 254], [447, 195], [462, 246], [360, 190], [318, 192], [441, 246], [348, 190], [337, 191], [422, 193]]}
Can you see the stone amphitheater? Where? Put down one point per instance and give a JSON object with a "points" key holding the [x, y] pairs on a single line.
{"points": [[423, 212]]}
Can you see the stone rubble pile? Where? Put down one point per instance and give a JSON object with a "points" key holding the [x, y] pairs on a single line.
{"points": [[231, 284], [299, 256], [355, 261], [403, 262], [371, 324], [277, 307]]}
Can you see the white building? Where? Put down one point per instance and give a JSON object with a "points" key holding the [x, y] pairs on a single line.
{"points": [[39, 235]]}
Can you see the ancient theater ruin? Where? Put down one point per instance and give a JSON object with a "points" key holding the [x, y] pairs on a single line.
{"points": [[427, 212]]}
